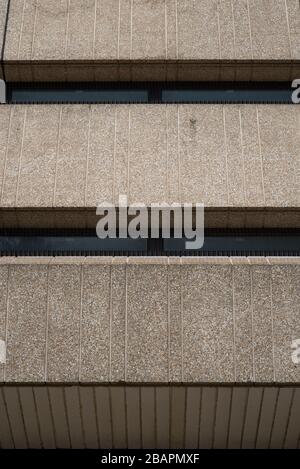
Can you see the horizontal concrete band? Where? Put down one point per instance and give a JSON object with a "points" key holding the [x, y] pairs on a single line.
{"points": [[77, 156], [165, 31], [223, 218], [161, 29], [149, 320], [149, 417], [149, 70]]}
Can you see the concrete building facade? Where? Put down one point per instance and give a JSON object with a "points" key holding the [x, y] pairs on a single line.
{"points": [[149, 352]]}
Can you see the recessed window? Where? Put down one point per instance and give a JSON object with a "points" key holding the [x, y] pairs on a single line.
{"points": [[170, 92], [73, 95], [241, 244], [64, 243], [86, 243]]}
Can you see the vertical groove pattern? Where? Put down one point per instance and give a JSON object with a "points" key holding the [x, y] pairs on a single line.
{"points": [[177, 142], [193, 338]]}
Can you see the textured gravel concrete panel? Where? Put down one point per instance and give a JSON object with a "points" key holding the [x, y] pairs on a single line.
{"points": [[38, 158], [50, 33], [121, 151], [196, 320], [26, 319], [252, 156], [95, 324], [72, 155], [293, 9], [201, 137], [3, 309], [198, 33], [25, 41], [13, 155], [175, 323], [269, 29], [106, 30], [80, 35], [148, 159], [242, 32], [149, 30], [171, 30], [5, 113], [280, 153], [286, 319], [262, 324], [147, 323], [234, 157], [118, 301], [207, 32], [3, 10], [124, 34], [101, 155], [78, 156], [173, 154], [64, 322], [242, 312], [226, 29], [207, 323], [294, 318], [13, 28]]}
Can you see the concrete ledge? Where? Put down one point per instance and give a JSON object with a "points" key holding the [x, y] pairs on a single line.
{"points": [[150, 70], [149, 320], [86, 218], [229, 157], [50, 40]]}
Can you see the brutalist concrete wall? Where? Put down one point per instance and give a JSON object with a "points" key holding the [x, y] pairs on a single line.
{"points": [[206, 33], [76, 156], [3, 17], [149, 320]]}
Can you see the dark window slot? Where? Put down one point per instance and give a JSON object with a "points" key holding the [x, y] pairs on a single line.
{"points": [[154, 92], [86, 243]]}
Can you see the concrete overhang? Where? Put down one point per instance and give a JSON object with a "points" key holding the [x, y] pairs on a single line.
{"points": [[58, 162], [140, 352], [150, 40]]}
